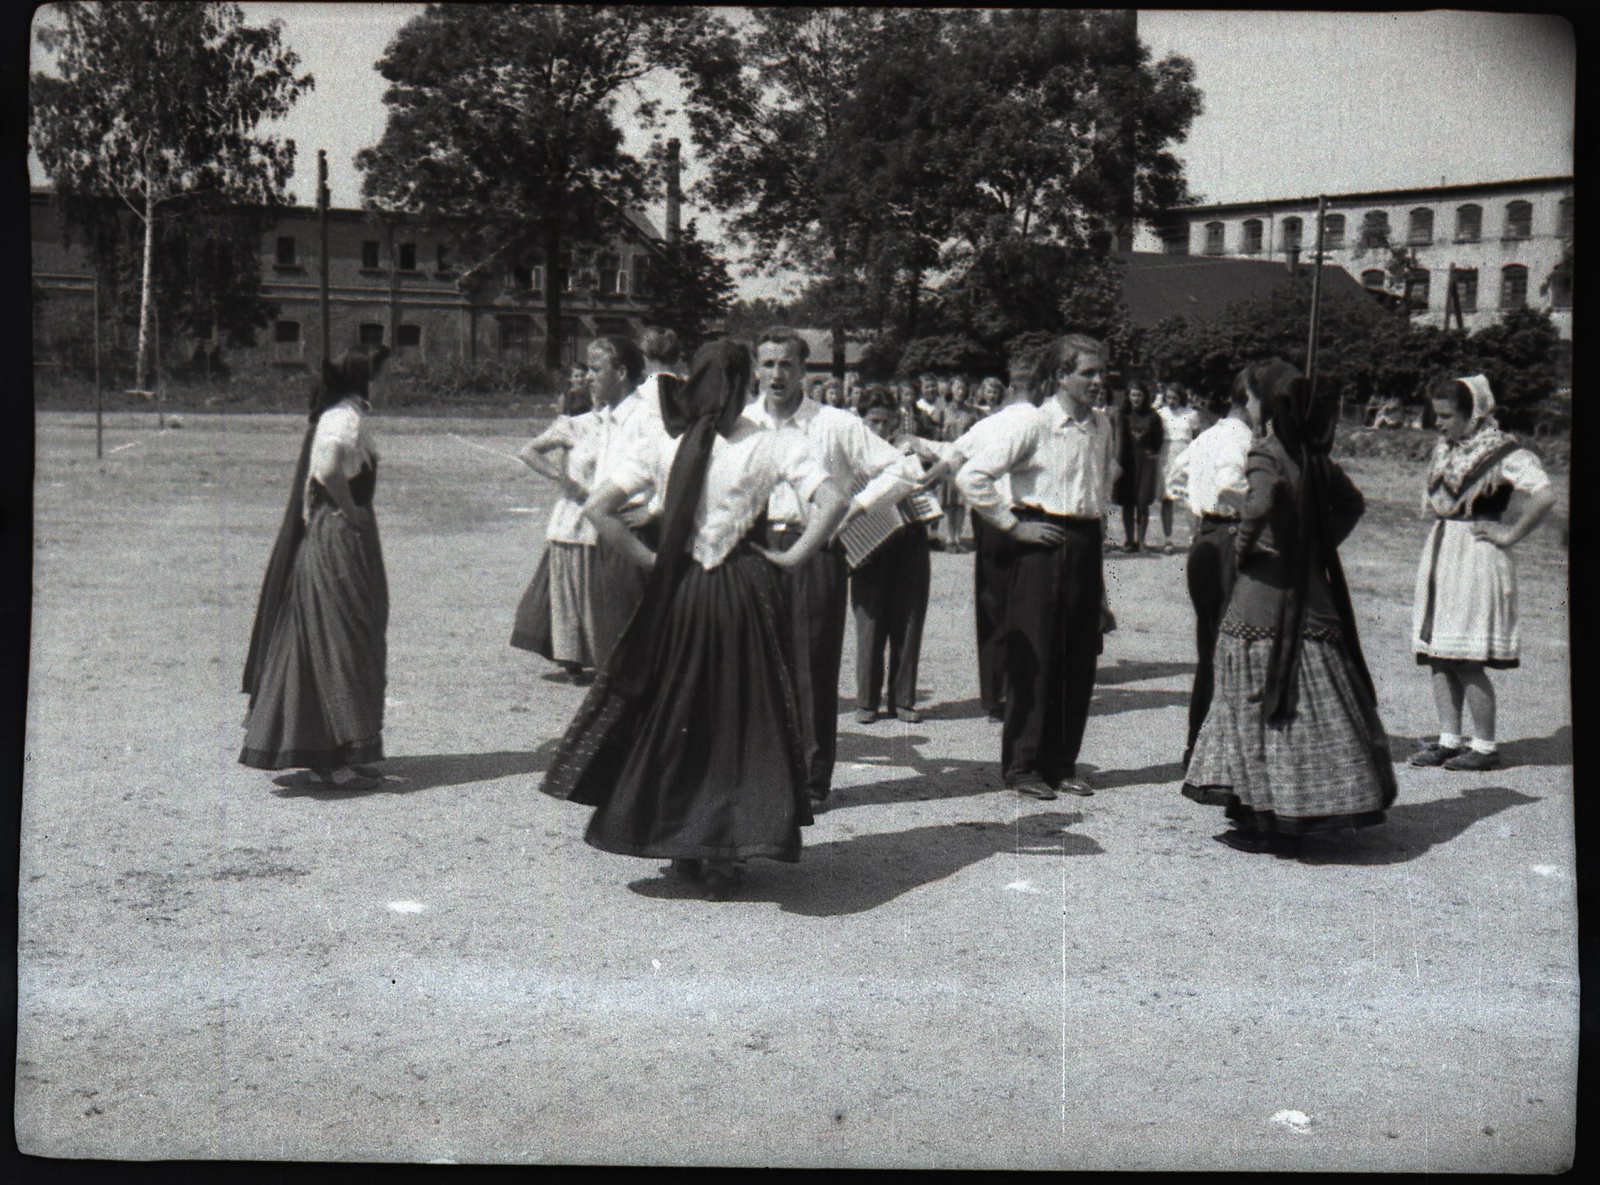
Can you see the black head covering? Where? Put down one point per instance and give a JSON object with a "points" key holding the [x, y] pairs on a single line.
{"points": [[1304, 425], [351, 375], [708, 405]]}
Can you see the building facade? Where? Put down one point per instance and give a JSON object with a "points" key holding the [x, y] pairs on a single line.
{"points": [[1506, 243], [392, 282]]}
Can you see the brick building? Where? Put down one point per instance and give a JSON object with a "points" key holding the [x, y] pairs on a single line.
{"points": [[1505, 241], [395, 283]]}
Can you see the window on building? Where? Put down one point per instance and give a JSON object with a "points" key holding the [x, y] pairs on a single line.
{"points": [[643, 284], [287, 255], [409, 337], [608, 265], [369, 254], [522, 277], [286, 343], [441, 258], [564, 271], [286, 331], [1561, 288], [1519, 220], [1420, 233], [1175, 242], [1252, 236], [1375, 229], [514, 337], [1419, 281], [1333, 233], [1564, 219], [1290, 233], [1513, 287], [370, 334], [1469, 223], [1467, 289], [1214, 240], [1374, 277], [408, 257]]}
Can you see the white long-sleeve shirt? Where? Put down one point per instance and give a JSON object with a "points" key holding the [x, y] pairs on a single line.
{"points": [[853, 456], [1210, 473], [1059, 464]]}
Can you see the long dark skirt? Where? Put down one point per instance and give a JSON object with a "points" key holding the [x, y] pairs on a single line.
{"points": [[1327, 769], [531, 628], [319, 704], [710, 764]]}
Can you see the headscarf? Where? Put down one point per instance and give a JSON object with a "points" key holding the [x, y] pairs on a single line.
{"points": [[1304, 426], [1458, 464], [351, 375], [695, 413]]}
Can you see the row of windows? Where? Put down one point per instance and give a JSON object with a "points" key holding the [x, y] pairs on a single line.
{"points": [[1513, 287], [601, 271], [1375, 231], [369, 333]]}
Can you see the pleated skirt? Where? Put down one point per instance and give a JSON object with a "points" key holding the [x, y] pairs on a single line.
{"points": [[555, 618], [319, 704], [710, 763], [1327, 769], [1466, 599]]}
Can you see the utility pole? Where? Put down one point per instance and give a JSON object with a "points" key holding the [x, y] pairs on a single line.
{"points": [[322, 250], [1316, 304]]}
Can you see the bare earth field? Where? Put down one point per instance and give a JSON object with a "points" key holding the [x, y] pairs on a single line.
{"points": [[218, 962]]}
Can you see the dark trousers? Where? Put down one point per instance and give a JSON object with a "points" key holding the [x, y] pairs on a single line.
{"points": [[990, 575], [818, 599], [1211, 570], [1053, 645], [889, 596]]}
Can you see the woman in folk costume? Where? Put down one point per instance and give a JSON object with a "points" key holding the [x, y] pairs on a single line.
{"points": [[689, 744], [316, 668], [1465, 614], [555, 618], [1292, 743]]}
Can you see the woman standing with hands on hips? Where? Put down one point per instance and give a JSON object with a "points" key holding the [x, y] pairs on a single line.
{"points": [[689, 744], [1465, 614]]}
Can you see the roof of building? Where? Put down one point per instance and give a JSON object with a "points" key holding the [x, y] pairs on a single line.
{"points": [[1370, 197], [819, 348], [1156, 286]]}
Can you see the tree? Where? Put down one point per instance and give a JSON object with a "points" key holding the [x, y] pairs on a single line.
{"points": [[691, 288], [156, 105], [503, 120]]}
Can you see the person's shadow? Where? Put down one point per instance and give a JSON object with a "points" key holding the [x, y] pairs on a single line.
{"points": [[846, 876], [407, 775], [1412, 828]]}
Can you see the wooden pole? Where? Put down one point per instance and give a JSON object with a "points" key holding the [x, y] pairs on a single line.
{"points": [[1316, 305], [322, 250], [99, 409]]}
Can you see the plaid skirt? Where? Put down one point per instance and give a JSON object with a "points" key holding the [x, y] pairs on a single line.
{"points": [[1326, 769]]}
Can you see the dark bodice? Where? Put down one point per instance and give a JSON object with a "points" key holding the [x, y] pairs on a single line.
{"points": [[362, 486]]}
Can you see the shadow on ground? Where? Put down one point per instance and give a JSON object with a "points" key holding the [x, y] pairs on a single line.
{"points": [[1555, 749], [853, 875], [407, 775], [1413, 828]]}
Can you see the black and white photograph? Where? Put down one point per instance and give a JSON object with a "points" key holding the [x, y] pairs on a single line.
{"points": [[833, 587]]}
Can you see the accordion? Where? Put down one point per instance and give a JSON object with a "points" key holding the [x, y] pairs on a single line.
{"points": [[866, 533]]}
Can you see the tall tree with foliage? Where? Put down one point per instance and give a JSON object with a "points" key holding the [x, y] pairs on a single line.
{"points": [[503, 125], [157, 106], [690, 288]]}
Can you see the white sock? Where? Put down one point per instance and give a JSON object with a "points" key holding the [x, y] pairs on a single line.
{"points": [[1482, 746], [1449, 740]]}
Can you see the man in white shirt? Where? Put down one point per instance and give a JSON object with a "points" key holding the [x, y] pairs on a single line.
{"points": [[623, 416], [818, 589], [1180, 424], [1061, 464], [1210, 476]]}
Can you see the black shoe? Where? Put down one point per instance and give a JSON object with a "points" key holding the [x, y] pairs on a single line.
{"points": [[1435, 754], [1472, 759], [721, 879], [1035, 789], [1246, 841], [682, 870]]}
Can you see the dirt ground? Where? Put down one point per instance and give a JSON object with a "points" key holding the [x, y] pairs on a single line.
{"points": [[218, 962]]}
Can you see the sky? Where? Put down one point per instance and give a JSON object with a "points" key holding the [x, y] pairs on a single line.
{"points": [[1295, 103]]}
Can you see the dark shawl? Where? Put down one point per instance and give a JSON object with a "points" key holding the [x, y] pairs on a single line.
{"points": [[1304, 425], [351, 375]]}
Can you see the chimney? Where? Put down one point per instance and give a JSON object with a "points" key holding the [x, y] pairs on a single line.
{"points": [[674, 190]]}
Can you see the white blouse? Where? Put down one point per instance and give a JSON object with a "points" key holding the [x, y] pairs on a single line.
{"points": [[745, 468], [567, 524], [341, 444]]}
